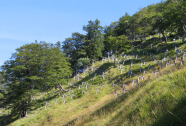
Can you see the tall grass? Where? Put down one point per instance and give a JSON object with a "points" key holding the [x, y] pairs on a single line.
{"points": [[158, 100]]}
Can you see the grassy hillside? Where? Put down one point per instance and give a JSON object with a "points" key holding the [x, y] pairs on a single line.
{"points": [[158, 102], [159, 99]]}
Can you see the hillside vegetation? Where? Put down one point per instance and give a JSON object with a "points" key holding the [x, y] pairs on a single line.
{"points": [[129, 73], [159, 99]]}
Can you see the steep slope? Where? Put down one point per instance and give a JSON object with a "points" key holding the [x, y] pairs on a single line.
{"points": [[157, 99], [161, 101]]}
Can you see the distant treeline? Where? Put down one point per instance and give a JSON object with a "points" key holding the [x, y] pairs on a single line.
{"points": [[166, 18]]}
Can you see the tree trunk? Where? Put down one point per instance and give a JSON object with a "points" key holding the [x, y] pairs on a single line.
{"points": [[26, 105], [62, 88], [24, 114], [159, 34], [165, 39]]}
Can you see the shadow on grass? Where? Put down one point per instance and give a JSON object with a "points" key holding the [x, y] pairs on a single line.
{"points": [[120, 117], [108, 108], [112, 106], [176, 117], [6, 120], [137, 72], [40, 102], [103, 68]]}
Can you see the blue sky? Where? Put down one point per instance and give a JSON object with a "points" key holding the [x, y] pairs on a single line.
{"points": [[24, 21]]}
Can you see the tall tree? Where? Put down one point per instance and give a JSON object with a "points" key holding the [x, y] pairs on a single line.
{"points": [[141, 22], [83, 63], [109, 31], [117, 44], [74, 48], [124, 26], [175, 12], [1, 86], [34, 67], [160, 20], [94, 40]]}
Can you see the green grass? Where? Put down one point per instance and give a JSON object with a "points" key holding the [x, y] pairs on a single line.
{"points": [[160, 102], [157, 101]]}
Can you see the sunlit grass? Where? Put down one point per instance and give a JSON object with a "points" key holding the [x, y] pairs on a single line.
{"points": [[155, 99]]}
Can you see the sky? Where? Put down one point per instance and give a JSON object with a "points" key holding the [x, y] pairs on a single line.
{"points": [[24, 21]]}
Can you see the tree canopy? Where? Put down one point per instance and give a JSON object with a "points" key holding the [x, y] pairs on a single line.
{"points": [[34, 67]]}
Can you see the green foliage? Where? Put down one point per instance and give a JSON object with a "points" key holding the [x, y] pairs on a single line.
{"points": [[34, 67], [83, 62], [1, 86], [124, 26], [78, 94], [157, 101], [176, 8], [41, 66], [94, 40], [117, 44], [74, 48]]}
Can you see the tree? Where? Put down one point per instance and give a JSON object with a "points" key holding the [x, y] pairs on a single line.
{"points": [[160, 21], [175, 13], [117, 44], [170, 16], [1, 86], [34, 67], [74, 48], [94, 40], [109, 31], [124, 26], [142, 22], [83, 62]]}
